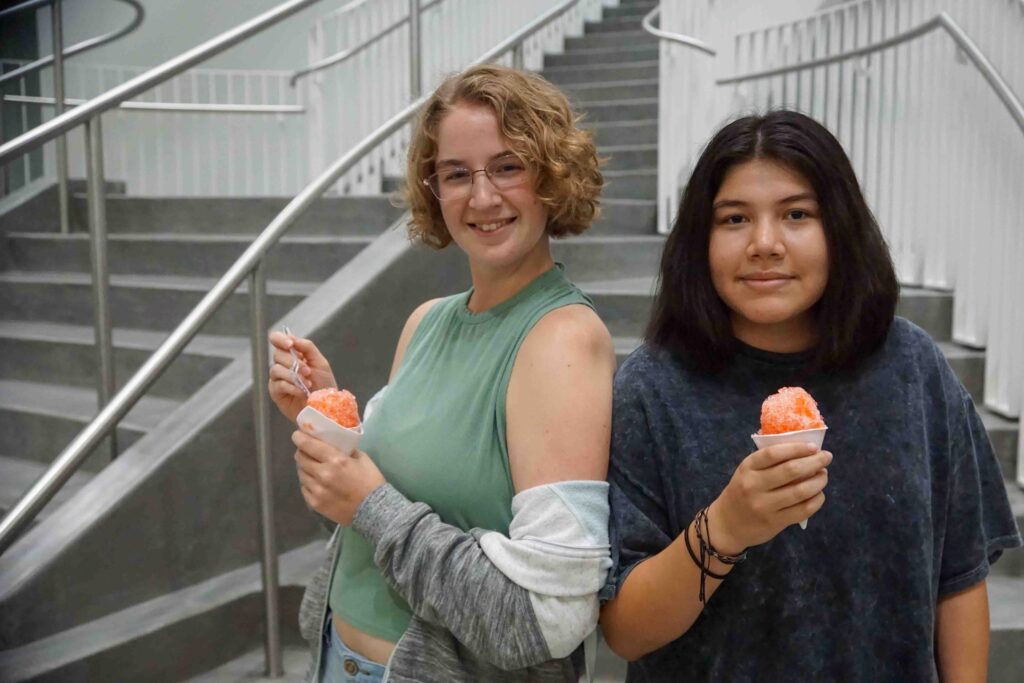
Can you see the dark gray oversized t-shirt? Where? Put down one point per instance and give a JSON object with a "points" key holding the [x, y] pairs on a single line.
{"points": [[915, 508]]}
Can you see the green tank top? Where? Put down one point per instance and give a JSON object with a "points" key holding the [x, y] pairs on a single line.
{"points": [[438, 434]]}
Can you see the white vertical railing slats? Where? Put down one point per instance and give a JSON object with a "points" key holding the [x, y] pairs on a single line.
{"points": [[940, 159], [350, 99]]}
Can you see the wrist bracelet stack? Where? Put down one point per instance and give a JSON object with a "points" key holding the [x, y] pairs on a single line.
{"points": [[707, 551]]}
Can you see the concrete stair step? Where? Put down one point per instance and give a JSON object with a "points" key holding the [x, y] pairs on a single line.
{"points": [[641, 184], [137, 302], [37, 209], [608, 24], [601, 73], [969, 365], [621, 110], [591, 257], [39, 351], [630, 9], [583, 93], [240, 215], [624, 346], [1012, 562], [171, 638], [618, 133], [929, 309], [1004, 434], [610, 40], [616, 54], [1006, 616], [629, 157], [37, 420], [18, 474], [626, 217], [303, 258], [622, 302]]}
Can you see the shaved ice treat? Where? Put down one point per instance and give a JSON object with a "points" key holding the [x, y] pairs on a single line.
{"points": [[791, 409], [340, 406]]}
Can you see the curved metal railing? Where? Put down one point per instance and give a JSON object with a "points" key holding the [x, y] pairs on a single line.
{"points": [[345, 55], [77, 48], [249, 265], [57, 59], [689, 41], [941, 21]]}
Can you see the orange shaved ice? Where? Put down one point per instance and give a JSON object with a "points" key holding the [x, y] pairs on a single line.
{"points": [[789, 410], [340, 406]]}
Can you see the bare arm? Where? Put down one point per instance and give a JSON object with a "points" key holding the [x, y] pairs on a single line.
{"points": [[771, 489], [962, 635], [560, 400], [658, 603]]}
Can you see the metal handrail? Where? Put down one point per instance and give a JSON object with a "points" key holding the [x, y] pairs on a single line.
{"points": [[943, 21], [689, 41], [180, 107], [147, 80], [89, 44], [348, 53], [249, 264], [115, 405], [57, 59], [72, 457]]}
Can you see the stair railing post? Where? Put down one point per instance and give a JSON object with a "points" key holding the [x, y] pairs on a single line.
{"points": [[518, 57], [261, 415], [57, 20], [3, 167], [95, 182], [415, 82]]}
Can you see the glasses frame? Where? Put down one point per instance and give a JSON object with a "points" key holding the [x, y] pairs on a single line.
{"points": [[472, 178]]}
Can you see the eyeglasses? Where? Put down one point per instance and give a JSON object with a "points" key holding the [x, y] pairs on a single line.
{"points": [[454, 183]]}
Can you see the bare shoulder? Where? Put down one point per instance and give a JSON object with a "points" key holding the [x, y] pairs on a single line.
{"points": [[573, 331], [408, 331]]}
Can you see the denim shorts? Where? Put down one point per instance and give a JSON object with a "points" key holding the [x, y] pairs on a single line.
{"points": [[338, 664]]}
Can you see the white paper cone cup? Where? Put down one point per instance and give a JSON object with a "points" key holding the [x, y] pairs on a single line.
{"points": [[311, 421], [815, 436]]}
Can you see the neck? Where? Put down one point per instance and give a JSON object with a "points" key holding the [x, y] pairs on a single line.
{"points": [[790, 336], [492, 286]]}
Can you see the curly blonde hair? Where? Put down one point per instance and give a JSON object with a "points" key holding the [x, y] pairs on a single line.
{"points": [[541, 127]]}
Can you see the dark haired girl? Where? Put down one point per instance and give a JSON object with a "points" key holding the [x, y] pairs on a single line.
{"points": [[776, 274]]}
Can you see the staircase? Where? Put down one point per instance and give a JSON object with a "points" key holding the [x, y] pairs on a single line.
{"points": [[200, 618], [164, 255]]}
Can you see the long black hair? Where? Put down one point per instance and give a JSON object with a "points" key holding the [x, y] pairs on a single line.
{"points": [[857, 307]]}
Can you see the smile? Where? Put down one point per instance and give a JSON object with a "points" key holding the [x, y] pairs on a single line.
{"points": [[491, 227], [766, 281]]}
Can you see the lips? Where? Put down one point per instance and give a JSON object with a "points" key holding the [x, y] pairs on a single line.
{"points": [[766, 281], [492, 225], [766, 276]]}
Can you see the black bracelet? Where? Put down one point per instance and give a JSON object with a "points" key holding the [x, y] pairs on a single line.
{"points": [[707, 551], [693, 556], [702, 518], [702, 564]]}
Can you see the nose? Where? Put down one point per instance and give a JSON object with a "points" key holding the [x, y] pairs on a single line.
{"points": [[482, 194], [766, 240]]}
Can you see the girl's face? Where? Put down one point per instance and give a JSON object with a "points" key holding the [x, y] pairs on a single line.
{"points": [[768, 255], [499, 230]]}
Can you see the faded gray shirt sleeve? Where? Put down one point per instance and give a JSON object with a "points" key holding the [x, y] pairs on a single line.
{"points": [[448, 579]]}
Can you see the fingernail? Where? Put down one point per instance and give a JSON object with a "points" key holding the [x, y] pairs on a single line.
{"points": [[812, 446]]}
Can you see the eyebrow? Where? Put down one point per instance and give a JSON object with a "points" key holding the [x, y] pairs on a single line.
{"points": [[803, 196], [460, 162]]}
